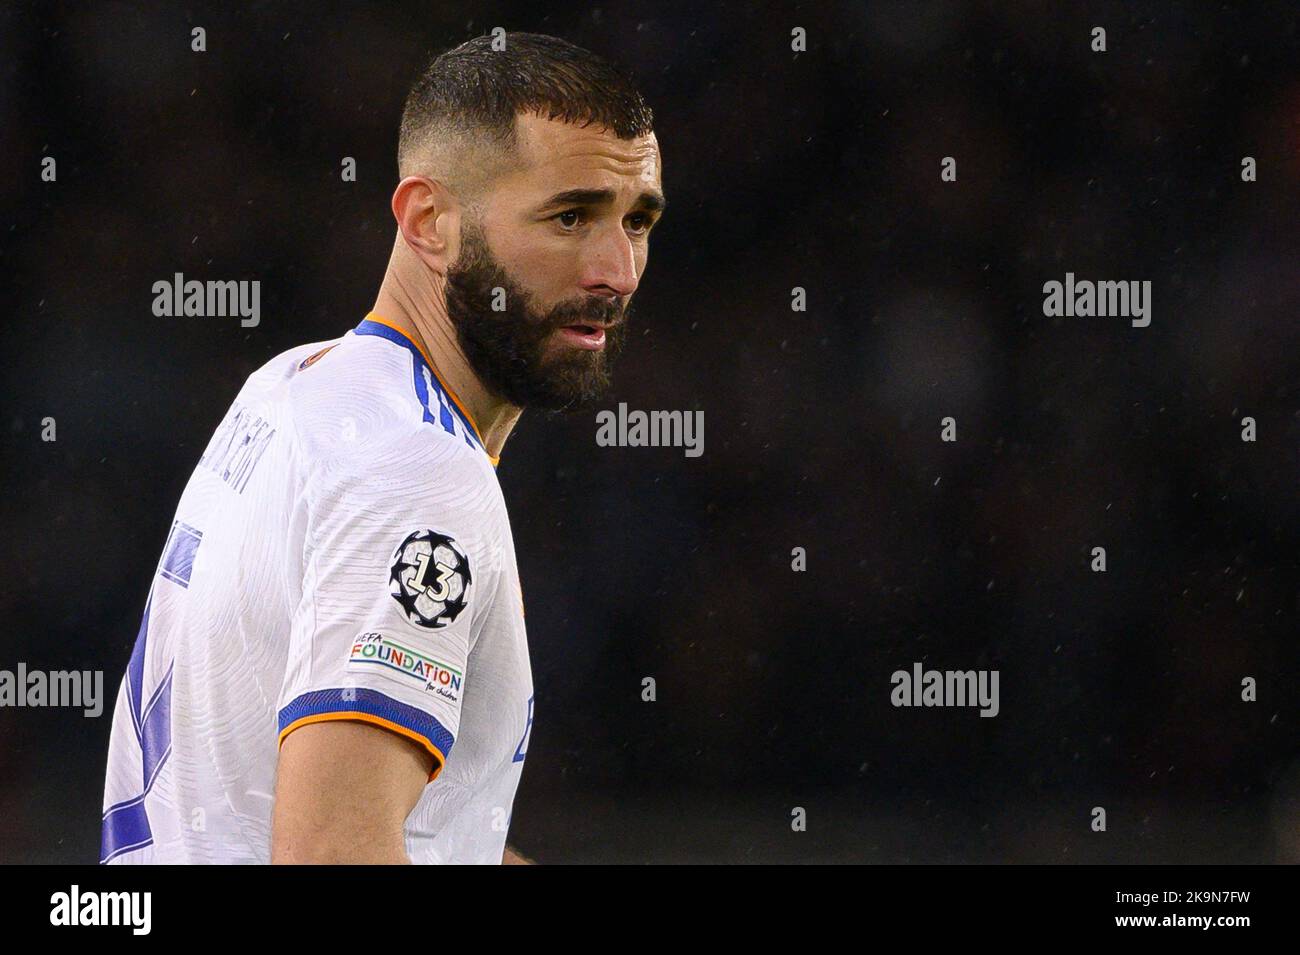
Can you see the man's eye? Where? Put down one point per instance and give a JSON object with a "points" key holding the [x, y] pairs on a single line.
{"points": [[638, 223], [569, 219]]}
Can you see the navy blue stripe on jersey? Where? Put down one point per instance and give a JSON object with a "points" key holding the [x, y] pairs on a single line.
{"points": [[178, 554], [135, 668], [126, 825], [422, 392], [366, 702], [125, 829], [156, 731], [446, 408]]}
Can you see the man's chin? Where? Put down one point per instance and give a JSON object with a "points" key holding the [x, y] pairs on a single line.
{"points": [[580, 396], [572, 383]]}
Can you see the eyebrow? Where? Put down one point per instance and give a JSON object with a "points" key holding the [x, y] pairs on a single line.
{"points": [[650, 200]]}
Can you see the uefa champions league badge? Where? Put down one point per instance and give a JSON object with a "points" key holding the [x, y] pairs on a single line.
{"points": [[430, 579]]}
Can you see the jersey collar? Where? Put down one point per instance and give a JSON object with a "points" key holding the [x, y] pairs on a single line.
{"points": [[375, 324]]}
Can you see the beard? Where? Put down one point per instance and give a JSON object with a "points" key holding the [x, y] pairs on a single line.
{"points": [[507, 349]]}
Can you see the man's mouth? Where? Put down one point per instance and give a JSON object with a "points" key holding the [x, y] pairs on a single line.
{"points": [[584, 335]]}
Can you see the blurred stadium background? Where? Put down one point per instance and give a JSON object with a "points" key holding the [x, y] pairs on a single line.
{"points": [[819, 170]]}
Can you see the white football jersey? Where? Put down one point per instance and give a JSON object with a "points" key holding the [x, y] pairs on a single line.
{"points": [[341, 552]]}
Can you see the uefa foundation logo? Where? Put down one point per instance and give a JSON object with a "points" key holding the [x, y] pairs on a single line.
{"points": [[430, 579]]}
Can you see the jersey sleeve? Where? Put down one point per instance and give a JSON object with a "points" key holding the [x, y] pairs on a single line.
{"points": [[396, 550]]}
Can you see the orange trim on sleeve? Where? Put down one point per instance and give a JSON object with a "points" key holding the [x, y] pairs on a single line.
{"points": [[439, 759]]}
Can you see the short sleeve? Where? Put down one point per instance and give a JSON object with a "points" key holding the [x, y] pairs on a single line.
{"points": [[393, 555]]}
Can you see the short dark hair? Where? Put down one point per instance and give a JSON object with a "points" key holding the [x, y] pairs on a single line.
{"points": [[476, 90]]}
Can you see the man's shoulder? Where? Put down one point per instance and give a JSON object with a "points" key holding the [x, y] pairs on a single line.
{"points": [[332, 379], [358, 417]]}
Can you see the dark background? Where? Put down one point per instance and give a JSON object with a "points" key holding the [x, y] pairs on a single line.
{"points": [[819, 170]]}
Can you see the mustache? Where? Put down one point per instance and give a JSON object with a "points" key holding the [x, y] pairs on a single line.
{"points": [[611, 312]]}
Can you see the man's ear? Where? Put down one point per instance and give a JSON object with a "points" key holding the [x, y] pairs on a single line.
{"points": [[428, 216]]}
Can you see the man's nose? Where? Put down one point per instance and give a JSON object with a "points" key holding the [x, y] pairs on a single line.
{"points": [[611, 267]]}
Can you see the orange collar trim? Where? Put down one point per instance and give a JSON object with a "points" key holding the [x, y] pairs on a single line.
{"points": [[379, 319]]}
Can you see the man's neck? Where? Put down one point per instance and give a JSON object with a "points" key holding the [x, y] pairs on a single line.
{"points": [[421, 312]]}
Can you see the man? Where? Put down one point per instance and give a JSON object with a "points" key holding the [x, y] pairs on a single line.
{"points": [[332, 665]]}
